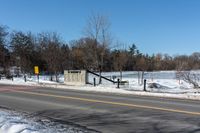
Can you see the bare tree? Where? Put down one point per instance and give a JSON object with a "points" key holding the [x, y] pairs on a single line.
{"points": [[50, 44], [66, 55], [142, 66], [194, 61], [78, 57], [4, 53], [22, 47], [167, 63], [184, 66], [98, 29], [158, 60], [82, 53], [181, 62], [189, 77], [120, 58]]}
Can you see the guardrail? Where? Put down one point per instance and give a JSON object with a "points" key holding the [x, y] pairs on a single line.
{"points": [[102, 76]]}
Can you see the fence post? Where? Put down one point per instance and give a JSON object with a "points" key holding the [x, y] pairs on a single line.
{"points": [[94, 81], [145, 84], [118, 83], [38, 77], [24, 78]]}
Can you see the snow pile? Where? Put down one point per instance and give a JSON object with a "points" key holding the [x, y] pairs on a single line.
{"points": [[169, 86], [16, 81], [12, 122]]}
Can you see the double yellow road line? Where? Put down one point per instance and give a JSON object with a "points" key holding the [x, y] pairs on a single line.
{"points": [[111, 103]]}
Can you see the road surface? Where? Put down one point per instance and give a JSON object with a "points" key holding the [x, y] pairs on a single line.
{"points": [[107, 113]]}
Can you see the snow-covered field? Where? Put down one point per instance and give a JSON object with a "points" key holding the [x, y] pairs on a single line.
{"points": [[165, 84]]}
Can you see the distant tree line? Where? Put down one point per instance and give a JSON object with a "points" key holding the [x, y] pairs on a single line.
{"points": [[93, 51]]}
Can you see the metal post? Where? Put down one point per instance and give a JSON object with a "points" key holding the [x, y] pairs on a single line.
{"points": [[118, 83], [38, 77], [145, 84], [25, 78], [94, 81], [100, 80]]}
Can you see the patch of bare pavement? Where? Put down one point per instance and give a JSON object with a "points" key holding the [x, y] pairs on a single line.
{"points": [[100, 112]]}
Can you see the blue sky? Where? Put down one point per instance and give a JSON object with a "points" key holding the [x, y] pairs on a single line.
{"points": [[155, 26]]}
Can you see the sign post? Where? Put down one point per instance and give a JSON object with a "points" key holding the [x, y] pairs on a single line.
{"points": [[36, 71]]}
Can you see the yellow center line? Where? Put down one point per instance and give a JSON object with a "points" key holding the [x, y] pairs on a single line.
{"points": [[111, 103]]}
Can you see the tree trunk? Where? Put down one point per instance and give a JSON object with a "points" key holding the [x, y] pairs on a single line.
{"points": [[56, 77], [120, 75], [100, 80], [51, 77], [142, 78], [138, 77]]}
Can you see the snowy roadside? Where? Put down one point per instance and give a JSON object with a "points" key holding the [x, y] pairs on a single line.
{"points": [[15, 122], [113, 90], [166, 88]]}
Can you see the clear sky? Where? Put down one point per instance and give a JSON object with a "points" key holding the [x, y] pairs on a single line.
{"points": [[155, 26]]}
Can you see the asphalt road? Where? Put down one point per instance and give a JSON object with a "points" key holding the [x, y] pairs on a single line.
{"points": [[107, 113]]}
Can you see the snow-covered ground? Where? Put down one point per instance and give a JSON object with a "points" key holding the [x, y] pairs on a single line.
{"points": [[164, 84], [14, 122]]}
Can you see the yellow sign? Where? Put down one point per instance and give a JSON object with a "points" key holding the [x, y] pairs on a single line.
{"points": [[36, 69]]}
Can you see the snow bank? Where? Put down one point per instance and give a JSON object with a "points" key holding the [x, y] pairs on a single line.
{"points": [[12, 122]]}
